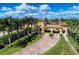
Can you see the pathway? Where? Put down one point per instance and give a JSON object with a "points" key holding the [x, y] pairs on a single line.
{"points": [[41, 46]]}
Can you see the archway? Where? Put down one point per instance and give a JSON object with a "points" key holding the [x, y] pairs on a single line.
{"points": [[54, 30]]}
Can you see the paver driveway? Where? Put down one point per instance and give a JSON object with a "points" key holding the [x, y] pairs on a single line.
{"points": [[40, 46]]}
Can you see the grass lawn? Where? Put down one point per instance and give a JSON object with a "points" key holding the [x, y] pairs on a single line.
{"points": [[61, 48], [74, 43], [11, 50]]}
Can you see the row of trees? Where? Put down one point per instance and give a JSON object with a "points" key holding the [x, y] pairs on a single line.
{"points": [[28, 25], [70, 22], [10, 25]]}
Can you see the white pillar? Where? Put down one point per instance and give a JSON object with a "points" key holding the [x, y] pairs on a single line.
{"points": [[60, 31], [42, 31], [51, 31]]}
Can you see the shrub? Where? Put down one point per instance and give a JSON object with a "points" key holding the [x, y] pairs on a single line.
{"points": [[63, 31], [51, 34], [22, 42], [14, 36], [74, 35], [1, 46]]}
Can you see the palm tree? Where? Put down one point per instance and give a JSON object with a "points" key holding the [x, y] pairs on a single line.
{"points": [[27, 24], [2, 26], [17, 26], [9, 27]]}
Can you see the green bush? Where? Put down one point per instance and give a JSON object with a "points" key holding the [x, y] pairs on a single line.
{"points": [[14, 36], [22, 42], [51, 34], [74, 35], [3, 39], [14, 49]]}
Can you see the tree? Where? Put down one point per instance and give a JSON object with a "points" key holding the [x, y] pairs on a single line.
{"points": [[9, 27]]}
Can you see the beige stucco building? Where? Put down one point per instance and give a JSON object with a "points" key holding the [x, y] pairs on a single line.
{"points": [[52, 26]]}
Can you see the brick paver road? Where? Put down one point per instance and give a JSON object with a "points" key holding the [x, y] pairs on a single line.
{"points": [[40, 46]]}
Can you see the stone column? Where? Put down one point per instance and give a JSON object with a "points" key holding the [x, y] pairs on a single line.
{"points": [[60, 31], [42, 31], [65, 30], [51, 31]]}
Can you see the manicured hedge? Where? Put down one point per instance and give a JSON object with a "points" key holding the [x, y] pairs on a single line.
{"points": [[22, 42], [1, 46], [14, 36], [74, 35], [13, 49]]}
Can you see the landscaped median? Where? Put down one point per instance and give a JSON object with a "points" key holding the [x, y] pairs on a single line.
{"points": [[61, 48], [20, 44], [74, 43]]}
